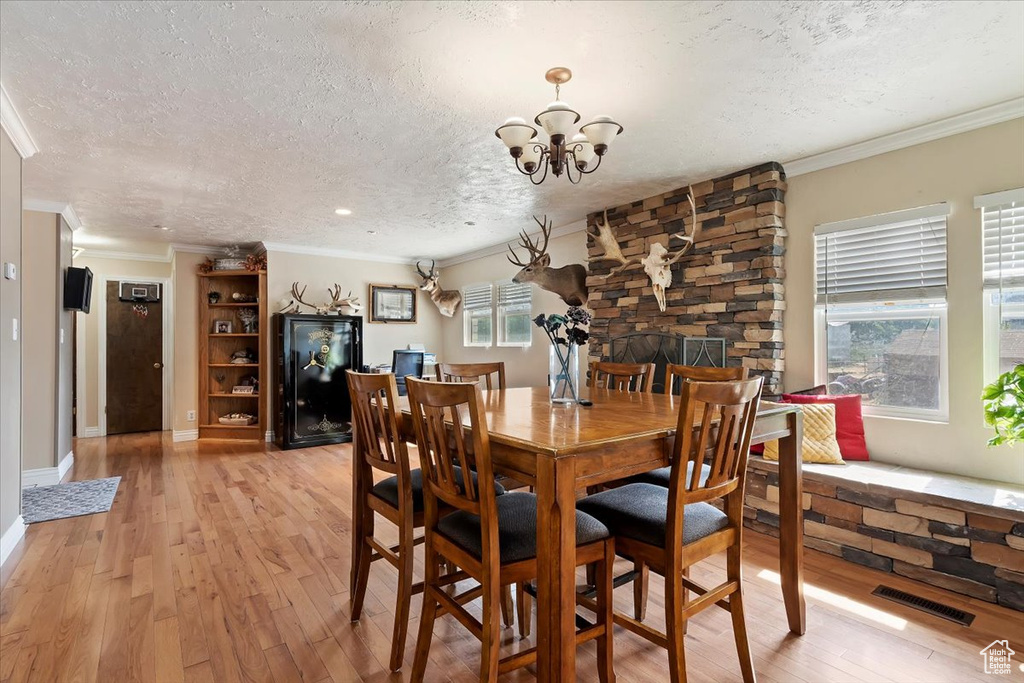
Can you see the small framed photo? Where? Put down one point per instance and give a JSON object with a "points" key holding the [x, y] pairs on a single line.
{"points": [[243, 389], [222, 327], [392, 304]]}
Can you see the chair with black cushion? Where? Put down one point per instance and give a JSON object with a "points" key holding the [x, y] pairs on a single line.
{"points": [[622, 376], [669, 529], [472, 372], [491, 539], [398, 498], [405, 362]]}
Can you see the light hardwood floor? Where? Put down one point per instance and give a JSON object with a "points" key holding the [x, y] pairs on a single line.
{"points": [[230, 563]]}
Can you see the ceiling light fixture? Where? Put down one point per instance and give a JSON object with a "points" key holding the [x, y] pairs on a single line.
{"points": [[343, 212], [560, 154]]}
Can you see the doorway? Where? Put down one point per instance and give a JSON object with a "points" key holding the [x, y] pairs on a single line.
{"points": [[134, 357]]}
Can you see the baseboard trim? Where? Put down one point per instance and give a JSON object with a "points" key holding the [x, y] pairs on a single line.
{"points": [[44, 476], [269, 436], [11, 537], [89, 433], [65, 465], [184, 435]]}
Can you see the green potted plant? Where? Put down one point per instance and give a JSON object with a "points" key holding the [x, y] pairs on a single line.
{"points": [[1004, 407]]}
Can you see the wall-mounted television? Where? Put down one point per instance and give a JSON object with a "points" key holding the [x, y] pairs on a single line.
{"points": [[77, 289]]}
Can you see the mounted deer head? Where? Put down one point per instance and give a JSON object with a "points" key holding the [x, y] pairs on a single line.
{"points": [[658, 261], [446, 300], [568, 282]]}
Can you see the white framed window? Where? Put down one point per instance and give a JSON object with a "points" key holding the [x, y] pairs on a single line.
{"points": [[477, 315], [1002, 232], [515, 303], [880, 311]]}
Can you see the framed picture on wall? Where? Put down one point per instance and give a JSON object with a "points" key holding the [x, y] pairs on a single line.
{"points": [[392, 304]]}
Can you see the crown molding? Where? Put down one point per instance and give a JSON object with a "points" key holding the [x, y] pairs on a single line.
{"points": [[197, 249], [126, 255], [336, 253], [65, 210], [501, 247], [961, 123], [14, 126]]}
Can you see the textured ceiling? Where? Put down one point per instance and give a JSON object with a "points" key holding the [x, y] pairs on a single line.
{"points": [[246, 121]]}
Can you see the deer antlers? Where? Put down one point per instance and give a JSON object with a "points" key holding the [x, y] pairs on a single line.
{"points": [[610, 247], [297, 295], [423, 275], [535, 251]]}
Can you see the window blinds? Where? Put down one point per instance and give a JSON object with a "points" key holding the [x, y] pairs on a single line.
{"points": [[513, 294], [477, 297], [897, 256], [1002, 227]]}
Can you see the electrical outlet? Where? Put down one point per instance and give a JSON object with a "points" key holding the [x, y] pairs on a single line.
{"points": [[190, 416]]}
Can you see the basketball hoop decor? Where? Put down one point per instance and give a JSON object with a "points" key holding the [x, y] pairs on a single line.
{"points": [[141, 310]]}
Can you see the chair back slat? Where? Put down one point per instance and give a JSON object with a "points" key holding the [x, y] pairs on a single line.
{"points": [[439, 414], [377, 433], [699, 373], [472, 373], [716, 420], [638, 377]]}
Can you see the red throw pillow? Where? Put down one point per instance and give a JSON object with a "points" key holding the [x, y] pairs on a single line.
{"points": [[849, 422]]}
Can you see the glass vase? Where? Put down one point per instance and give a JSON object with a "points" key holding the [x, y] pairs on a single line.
{"points": [[564, 373]]}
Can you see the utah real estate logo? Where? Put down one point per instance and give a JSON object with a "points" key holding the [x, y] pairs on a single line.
{"points": [[997, 657]]}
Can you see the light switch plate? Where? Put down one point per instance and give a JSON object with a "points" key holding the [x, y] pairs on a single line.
{"points": [[14, 329], [62, 335], [10, 270]]}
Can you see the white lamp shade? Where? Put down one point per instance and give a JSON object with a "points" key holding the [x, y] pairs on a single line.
{"points": [[601, 131], [515, 132], [531, 153], [557, 119], [581, 148]]}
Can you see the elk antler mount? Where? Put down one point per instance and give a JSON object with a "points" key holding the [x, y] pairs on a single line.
{"points": [[568, 282], [658, 261], [337, 304]]}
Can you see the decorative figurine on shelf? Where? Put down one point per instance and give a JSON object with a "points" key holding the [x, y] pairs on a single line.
{"points": [[244, 356], [206, 266], [248, 316], [213, 297], [220, 377], [250, 381], [256, 263], [240, 298]]}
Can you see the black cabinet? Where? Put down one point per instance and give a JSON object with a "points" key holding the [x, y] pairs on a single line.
{"points": [[311, 354]]}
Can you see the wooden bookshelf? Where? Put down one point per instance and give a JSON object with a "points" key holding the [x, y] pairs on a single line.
{"points": [[215, 349]]}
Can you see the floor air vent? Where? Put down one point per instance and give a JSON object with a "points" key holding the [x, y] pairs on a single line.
{"points": [[925, 605]]}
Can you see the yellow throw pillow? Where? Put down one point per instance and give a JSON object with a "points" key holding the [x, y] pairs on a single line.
{"points": [[819, 444]]}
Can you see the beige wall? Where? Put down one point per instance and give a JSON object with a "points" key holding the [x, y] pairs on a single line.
{"points": [[40, 240], [186, 316], [523, 367], [10, 350], [65, 347], [952, 170], [88, 324]]}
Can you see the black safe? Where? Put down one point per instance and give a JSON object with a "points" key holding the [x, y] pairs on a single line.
{"points": [[311, 401]]}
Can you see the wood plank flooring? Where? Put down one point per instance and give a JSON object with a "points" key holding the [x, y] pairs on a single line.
{"points": [[230, 563]]}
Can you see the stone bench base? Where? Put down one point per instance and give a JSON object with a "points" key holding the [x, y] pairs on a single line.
{"points": [[964, 535]]}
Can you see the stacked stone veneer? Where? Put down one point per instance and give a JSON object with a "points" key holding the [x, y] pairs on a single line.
{"points": [[729, 285], [962, 547]]}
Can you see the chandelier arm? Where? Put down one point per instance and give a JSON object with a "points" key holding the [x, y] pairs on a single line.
{"points": [[596, 166], [520, 169], [570, 164], [544, 163]]}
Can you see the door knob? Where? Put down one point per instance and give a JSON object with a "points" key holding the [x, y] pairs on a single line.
{"points": [[158, 365]]}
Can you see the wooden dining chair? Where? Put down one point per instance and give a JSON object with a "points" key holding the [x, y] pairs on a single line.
{"points": [[622, 376], [670, 529], [472, 372], [491, 539], [675, 377], [398, 498]]}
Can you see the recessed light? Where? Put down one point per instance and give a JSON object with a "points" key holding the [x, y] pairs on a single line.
{"points": [[161, 227], [343, 212], [371, 232], [470, 223]]}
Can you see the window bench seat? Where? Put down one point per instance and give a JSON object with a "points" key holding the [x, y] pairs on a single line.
{"points": [[957, 533]]}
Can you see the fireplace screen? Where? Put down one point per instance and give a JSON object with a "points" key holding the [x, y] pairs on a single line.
{"points": [[662, 348]]}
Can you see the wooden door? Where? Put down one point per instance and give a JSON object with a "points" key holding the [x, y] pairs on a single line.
{"points": [[134, 364]]}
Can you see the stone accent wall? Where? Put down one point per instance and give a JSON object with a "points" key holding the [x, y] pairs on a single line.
{"points": [[729, 285], [934, 540]]}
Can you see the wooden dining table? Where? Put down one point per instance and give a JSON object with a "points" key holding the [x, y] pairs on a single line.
{"points": [[561, 449]]}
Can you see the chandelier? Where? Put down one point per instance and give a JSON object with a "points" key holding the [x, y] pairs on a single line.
{"points": [[561, 154]]}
